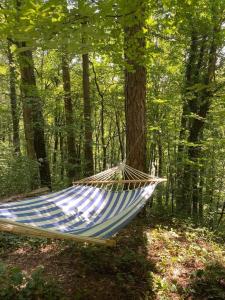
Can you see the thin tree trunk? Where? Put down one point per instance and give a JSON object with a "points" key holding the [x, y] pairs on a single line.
{"points": [[221, 214], [72, 162], [88, 140], [61, 145], [103, 134], [200, 69], [160, 171], [13, 100], [102, 119], [120, 137], [56, 143], [183, 195], [202, 182]]}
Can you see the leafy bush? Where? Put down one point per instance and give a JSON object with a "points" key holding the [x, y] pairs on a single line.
{"points": [[16, 285], [16, 174]]}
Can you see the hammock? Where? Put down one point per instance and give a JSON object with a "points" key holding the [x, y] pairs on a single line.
{"points": [[92, 210]]}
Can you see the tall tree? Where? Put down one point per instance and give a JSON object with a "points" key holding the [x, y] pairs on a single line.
{"points": [[13, 99], [88, 135], [72, 160], [135, 85], [102, 119], [88, 142], [199, 85], [33, 116]]}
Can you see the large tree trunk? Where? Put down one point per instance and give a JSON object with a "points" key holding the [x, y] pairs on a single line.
{"points": [[135, 90], [13, 101], [88, 141], [72, 161], [33, 117]]}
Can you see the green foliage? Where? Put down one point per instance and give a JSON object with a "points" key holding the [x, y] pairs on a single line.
{"points": [[189, 261], [10, 280], [38, 288], [16, 173], [16, 285], [10, 242], [208, 283]]}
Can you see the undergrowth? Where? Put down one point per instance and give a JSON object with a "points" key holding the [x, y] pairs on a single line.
{"points": [[15, 284], [172, 259], [190, 261]]}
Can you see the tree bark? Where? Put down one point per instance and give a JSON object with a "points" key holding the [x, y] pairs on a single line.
{"points": [[33, 116], [135, 90], [13, 100]]}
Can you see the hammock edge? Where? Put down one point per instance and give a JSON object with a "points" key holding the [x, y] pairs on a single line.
{"points": [[15, 227]]}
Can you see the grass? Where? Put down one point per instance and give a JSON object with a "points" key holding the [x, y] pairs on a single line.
{"points": [[169, 259]]}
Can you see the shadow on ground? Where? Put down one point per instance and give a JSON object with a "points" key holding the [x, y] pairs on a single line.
{"points": [[93, 272], [121, 272]]}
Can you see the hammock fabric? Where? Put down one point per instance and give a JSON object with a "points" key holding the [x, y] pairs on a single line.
{"points": [[92, 210]]}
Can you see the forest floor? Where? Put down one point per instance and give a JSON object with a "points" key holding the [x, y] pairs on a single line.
{"points": [[168, 259]]}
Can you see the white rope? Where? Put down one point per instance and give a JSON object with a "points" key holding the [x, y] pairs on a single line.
{"points": [[139, 174], [120, 172]]}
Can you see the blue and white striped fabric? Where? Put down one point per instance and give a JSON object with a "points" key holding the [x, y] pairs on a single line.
{"points": [[79, 210]]}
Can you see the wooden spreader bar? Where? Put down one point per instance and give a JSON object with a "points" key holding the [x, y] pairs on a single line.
{"points": [[14, 227], [119, 181]]}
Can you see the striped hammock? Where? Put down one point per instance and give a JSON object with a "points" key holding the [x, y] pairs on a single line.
{"points": [[92, 210]]}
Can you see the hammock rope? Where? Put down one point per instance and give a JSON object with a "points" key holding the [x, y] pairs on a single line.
{"points": [[92, 210], [119, 176]]}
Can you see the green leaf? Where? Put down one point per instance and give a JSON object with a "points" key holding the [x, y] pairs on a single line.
{"points": [[3, 70]]}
